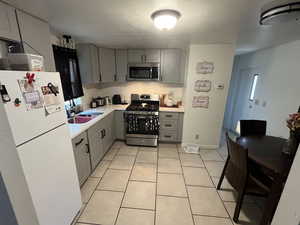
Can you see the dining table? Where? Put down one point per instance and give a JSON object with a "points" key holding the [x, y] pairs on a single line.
{"points": [[265, 153]]}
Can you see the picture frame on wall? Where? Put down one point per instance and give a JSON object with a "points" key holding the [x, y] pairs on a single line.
{"points": [[200, 102], [205, 67], [202, 86]]}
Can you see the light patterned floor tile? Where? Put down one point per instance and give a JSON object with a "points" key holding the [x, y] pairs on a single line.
{"points": [[210, 155], [167, 153], [206, 201], [114, 180], [171, 185], [148, 149], [128, 150], [135, 217], [88, 188], [110, 155], [192, 160], [208, 220], [147, 157], [122, 162], [197, 176], [214, 168], [144, 172], [102, 208], [169, 166], [173, 211], [100, 169], [140, 195]]}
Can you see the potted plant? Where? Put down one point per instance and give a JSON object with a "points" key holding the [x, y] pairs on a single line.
{"points": [[293, 123]]}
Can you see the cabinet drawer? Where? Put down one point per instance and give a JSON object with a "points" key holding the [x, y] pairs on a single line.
{"points": [[169, 125], [170, 136], [168, 116], [80, 140]]}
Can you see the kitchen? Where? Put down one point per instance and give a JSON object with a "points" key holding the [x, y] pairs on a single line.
{"points": [[118, 114]]}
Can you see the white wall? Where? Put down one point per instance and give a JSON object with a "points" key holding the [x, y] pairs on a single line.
{"points": [[278, 86], [12, 173], [128, 88], [288, 210], [207, 123]]}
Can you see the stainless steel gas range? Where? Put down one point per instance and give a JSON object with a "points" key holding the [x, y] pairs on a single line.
{"points": [[142, 123]]}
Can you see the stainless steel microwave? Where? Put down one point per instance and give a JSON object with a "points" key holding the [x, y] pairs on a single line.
{"points": [[144, 71]]}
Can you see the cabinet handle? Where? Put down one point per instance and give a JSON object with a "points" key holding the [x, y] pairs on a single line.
{"points": [[168, 136], [169, 116], [79, 142], [88, 148], [168, 125], [104, 131], [100, 77]]}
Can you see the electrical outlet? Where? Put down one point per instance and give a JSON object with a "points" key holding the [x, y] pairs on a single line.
{"points": [[197, 136]]}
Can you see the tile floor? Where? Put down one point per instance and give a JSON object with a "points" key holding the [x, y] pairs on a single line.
{"points": [[161, 186]]}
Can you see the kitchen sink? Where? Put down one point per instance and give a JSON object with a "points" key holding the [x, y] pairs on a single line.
{"points": [[84, 117]]}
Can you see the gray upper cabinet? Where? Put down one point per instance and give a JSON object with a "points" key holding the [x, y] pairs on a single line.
{"points": [[143, 55], [88, 63], [121, 65], [35, 35], [152, 55], [136, 55], [107, 60], [8, 25], [171, 66]]}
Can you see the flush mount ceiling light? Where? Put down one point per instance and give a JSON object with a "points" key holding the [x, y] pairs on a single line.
{"points": [[280, 11], [165, 19]]}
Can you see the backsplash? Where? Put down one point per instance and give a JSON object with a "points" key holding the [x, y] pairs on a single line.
{"points": [[126, 89]]}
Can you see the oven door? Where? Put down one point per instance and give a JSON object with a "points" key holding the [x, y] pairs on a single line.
{"points": [[141, 124]]}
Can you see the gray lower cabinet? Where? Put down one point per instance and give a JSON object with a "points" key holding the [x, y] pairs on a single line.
{"points": [[107, 61], [88, 63], [82, 157], [119, 125], [95, 136], [172, 66], [35, 35], [121, 65], [9, 26], [171, 125], [107, 125]]}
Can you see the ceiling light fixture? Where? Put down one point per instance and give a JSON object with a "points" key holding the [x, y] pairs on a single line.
{"points": [[165, 19], [280, 11]]}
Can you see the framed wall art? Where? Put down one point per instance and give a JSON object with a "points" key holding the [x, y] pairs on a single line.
{"points": [[202, 86], [200, 102], [205, 67]]}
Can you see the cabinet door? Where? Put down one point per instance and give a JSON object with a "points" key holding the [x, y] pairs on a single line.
{"points": [[121, 65], [8, 26], [88, 63], [35, 35], [152, 55], [96, 145], [108, 128], [171, 66], [136, 55], [119, 125], [82, 157], [107, 60]]}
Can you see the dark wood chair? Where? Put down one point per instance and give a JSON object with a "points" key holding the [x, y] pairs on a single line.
{"points": [[253, 127], [237, 173]]}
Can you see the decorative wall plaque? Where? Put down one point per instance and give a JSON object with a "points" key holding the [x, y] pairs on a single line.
{"points": [[202, 86], [205, 67], [200, 102]]}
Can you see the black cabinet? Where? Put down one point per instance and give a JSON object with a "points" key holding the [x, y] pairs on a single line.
{"points": [[66, 63]]}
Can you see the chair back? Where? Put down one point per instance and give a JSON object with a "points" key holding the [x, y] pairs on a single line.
{"points": [[253, 127], [237, 168]]}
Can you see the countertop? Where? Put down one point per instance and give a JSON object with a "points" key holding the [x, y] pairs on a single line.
{"points": [[77, 129]]}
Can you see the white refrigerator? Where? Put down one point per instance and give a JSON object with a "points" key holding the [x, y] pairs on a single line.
{"points": [[34, 106]]}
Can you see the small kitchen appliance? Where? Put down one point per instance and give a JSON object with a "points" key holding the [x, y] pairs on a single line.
{"points": [[116, 100], [144, 72]]}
